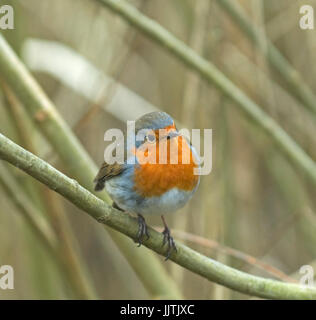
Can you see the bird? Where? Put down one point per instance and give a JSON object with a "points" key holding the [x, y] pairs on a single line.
{"points": [[161, 177]]}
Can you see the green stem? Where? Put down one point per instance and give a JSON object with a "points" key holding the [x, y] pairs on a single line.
{"points": [[209, 72], [186, 257]]}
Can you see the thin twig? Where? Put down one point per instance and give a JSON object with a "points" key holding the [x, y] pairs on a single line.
{"points": [[212, 244]]}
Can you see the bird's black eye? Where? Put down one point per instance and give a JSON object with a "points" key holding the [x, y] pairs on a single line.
{"points": [[151, 138]]}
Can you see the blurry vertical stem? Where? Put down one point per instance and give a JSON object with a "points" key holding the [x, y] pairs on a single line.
{"points": [[40, 261], [291, 76], [75, 266], [190, 100], [260, 59], [192, 80], [79, 164], [19, 127], [229, 225], [213, 76]]}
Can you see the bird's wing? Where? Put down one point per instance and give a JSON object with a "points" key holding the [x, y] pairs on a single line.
{"points": [[106, 172]]}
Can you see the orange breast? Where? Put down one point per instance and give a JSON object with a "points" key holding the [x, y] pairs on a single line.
{"points": [[154, 179]]}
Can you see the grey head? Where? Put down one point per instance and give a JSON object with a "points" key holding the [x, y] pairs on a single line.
{"points": [[154, 121], [149, 122]]}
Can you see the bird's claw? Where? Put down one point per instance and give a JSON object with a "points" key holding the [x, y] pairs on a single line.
{"points": [[142, 230], [169, 240]]}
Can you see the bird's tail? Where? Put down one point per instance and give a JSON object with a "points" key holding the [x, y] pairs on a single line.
{"points": [[99, 185]]}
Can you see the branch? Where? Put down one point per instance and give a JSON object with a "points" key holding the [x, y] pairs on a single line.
{"points": [[213, 76], [79, 164], [124, 223]]}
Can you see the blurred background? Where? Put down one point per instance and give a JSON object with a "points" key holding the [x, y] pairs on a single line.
{"points": [[99, 72]]}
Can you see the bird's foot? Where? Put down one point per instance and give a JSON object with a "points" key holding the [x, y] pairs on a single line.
{"points": [[142, 229], [169, 240]]}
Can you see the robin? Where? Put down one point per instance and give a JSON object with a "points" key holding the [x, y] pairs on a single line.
{"points": [[161, 178]]}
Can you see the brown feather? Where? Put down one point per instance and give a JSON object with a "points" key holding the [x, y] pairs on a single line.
{"points": [[106, 172]]}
